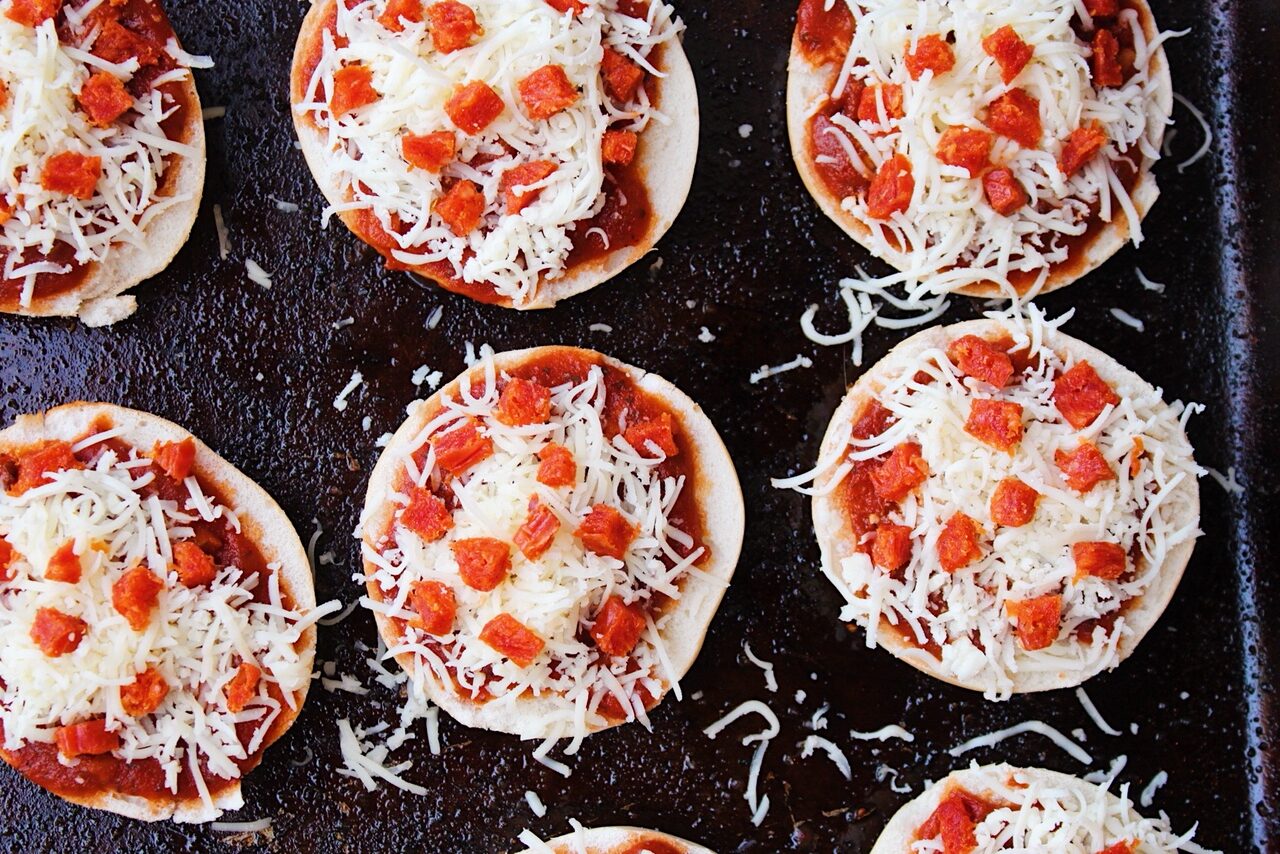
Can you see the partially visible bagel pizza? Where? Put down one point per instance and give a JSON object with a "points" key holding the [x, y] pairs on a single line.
{"points": [[616, 840]]}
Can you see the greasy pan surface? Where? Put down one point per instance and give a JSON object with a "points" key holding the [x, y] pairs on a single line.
{"points": [[751, 251]]}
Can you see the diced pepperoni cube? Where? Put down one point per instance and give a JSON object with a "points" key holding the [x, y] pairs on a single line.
{"points": [[461, 207], [1013, 504], [607, 532], [32, 13], [453, 25], [523, 402], [618, 627], [175, 458], [135, 595], [64, 564], [1101, 560], [573, 6], [1004, 193], [538, 531], [507, 636], [619, 147], [1081, 395], [483, 562], [954, 820], [891, 549], [891, 188], [474, 106], [979, 358], [104, 99], [902, 471], [399, 11], [958, 543], [1102, 8], [656, 433], [117, 43], [932, 53], [546, 92], [6, 206], [194, 566], [869, 102], [7, 572], [1016, 115], [57, 633], [352, 89], [515, 180], [998, 423], [1081, 147], [556, 467], [966, 148], [622, 77], [1105, 60], [243, 687], [1124, 846], [1037, 620], [1084, 467], [435, 606], [72, 174], [429, 151], [1135, 458], [426, 515], [1009, 51], [144, 694], [36, 464], [461, 447], [87, 738]]}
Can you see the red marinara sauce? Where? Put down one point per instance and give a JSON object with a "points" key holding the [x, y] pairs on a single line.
{"points": [[652, 844], [93, 775]]}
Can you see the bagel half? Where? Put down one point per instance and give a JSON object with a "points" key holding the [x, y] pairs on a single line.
{"points": [[616, 840]]}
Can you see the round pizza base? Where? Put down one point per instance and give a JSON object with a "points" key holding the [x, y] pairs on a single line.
{"points": [[261, 520], [807, 90], [723, 520], [614, 840], [665, 161], [836, 539]]}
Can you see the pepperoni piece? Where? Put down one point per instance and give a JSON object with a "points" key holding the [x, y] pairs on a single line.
{"points": [[1081, 147], [194, 566], [546, 92], [523, 402], [1101, 560], [1081, 395], [538, 531], [891, 188], [618, 627], [32, 13], [104, 99], [1135, 456], [429, 151], [606, 532], [557, 466], [955, 819], [871, 97], [657, 433], [509, 637], [1102, 8], [243, 687], [144, 694], [461, 447], [63, 564], [966, 148], [72, 174], [997, 423], [435, 606], [6, 206], [352, 89], [574, 7], [408, 10], [461, 207], [1037, 620], [57, 633], [1124, 846], [619, 147], [87, 738], [979, 358], [518, 177], [932, 53], [474, 106], [426, 515], [453, 25], [1084, 467], [1105, 60], [1016, 115], [118, 44], [36, 465], [1009, 51], [1004, 193], [483, 562], [1013, 504], [902, 471], [891, 549], [175, 458], [622, 77], [135, 595], [7, 573], [824, 30], [958, 543]]}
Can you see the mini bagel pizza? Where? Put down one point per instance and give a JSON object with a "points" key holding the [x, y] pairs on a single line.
{"points": [[546, 540], [616, 840], [156, 615], [981, 147], [516, 151], [994, 808], [1005, 507], [101, 154]]}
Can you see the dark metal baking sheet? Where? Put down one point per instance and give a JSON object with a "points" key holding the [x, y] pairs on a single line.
{"points": [[254, 372]]}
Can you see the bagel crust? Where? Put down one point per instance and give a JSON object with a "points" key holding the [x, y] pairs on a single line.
{"points": [[617, 840]]}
